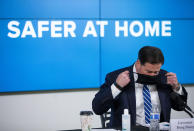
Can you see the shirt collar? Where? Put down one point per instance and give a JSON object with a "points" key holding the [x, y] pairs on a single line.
{"points": [[134, 74]]}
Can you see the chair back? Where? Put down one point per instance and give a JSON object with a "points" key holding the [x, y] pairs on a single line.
{"points": [[105, 119]]}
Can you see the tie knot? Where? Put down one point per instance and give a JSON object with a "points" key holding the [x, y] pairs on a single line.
{"points": [[145, 87]]}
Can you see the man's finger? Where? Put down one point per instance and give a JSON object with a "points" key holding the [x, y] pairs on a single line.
{"points": [[170, 74], [171, 77], [126, 72]]}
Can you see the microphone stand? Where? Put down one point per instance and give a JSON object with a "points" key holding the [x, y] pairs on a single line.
{"points": [[188, 112], [182, 105]]}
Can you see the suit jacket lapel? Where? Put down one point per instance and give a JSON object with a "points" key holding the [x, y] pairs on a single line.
{"points": [[163, 103], [131, 96]]}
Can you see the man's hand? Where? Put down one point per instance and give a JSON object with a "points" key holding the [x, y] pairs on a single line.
{"points": [[123, 79], [172, 80]]}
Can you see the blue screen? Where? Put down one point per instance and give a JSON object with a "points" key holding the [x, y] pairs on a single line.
{"points": [[33, 63]]}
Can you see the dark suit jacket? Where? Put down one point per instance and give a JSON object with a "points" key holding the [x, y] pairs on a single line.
{"points": [[103, 100]]}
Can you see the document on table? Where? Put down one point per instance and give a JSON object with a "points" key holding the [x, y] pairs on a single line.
{"points": [[104, 130]]}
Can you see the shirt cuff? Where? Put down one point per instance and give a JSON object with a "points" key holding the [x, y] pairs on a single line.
{"points": [[115, 90], [180, 91]]}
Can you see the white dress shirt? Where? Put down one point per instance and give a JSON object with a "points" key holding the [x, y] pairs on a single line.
{"points": [[140, 114]]}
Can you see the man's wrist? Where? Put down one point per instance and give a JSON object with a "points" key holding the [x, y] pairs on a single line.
{"points": [[118, 86], [178, 87], [179, 90]]}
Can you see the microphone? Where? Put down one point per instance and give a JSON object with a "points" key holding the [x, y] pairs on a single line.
{"points": [[181, 105]]}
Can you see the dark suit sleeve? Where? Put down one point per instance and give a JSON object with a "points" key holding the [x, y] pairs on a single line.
{"points": [[103, 100], [175, 105]]}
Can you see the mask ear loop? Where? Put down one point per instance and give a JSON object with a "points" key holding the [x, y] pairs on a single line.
{"points": [[136, 73]]}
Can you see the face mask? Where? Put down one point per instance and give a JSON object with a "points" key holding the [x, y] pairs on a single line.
{"points": [[151, 80]]}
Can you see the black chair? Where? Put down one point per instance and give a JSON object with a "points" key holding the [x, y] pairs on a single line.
{"points": [[105, 119]]}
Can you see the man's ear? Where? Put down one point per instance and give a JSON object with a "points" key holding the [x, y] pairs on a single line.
{"points": [[138, 62]]}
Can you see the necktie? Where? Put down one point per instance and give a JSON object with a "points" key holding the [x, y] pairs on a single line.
{"points": [[147, 103]]}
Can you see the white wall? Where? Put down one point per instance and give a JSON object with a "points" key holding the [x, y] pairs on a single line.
{"points": [[52, 111]]}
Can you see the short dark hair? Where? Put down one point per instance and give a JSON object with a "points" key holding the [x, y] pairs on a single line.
{"points": [[150, 54]]}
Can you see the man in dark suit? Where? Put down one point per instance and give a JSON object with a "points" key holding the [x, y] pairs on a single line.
{"points": [[122, 90]]}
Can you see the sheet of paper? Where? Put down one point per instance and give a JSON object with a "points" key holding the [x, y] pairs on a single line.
{"points": [[104, 130]]}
